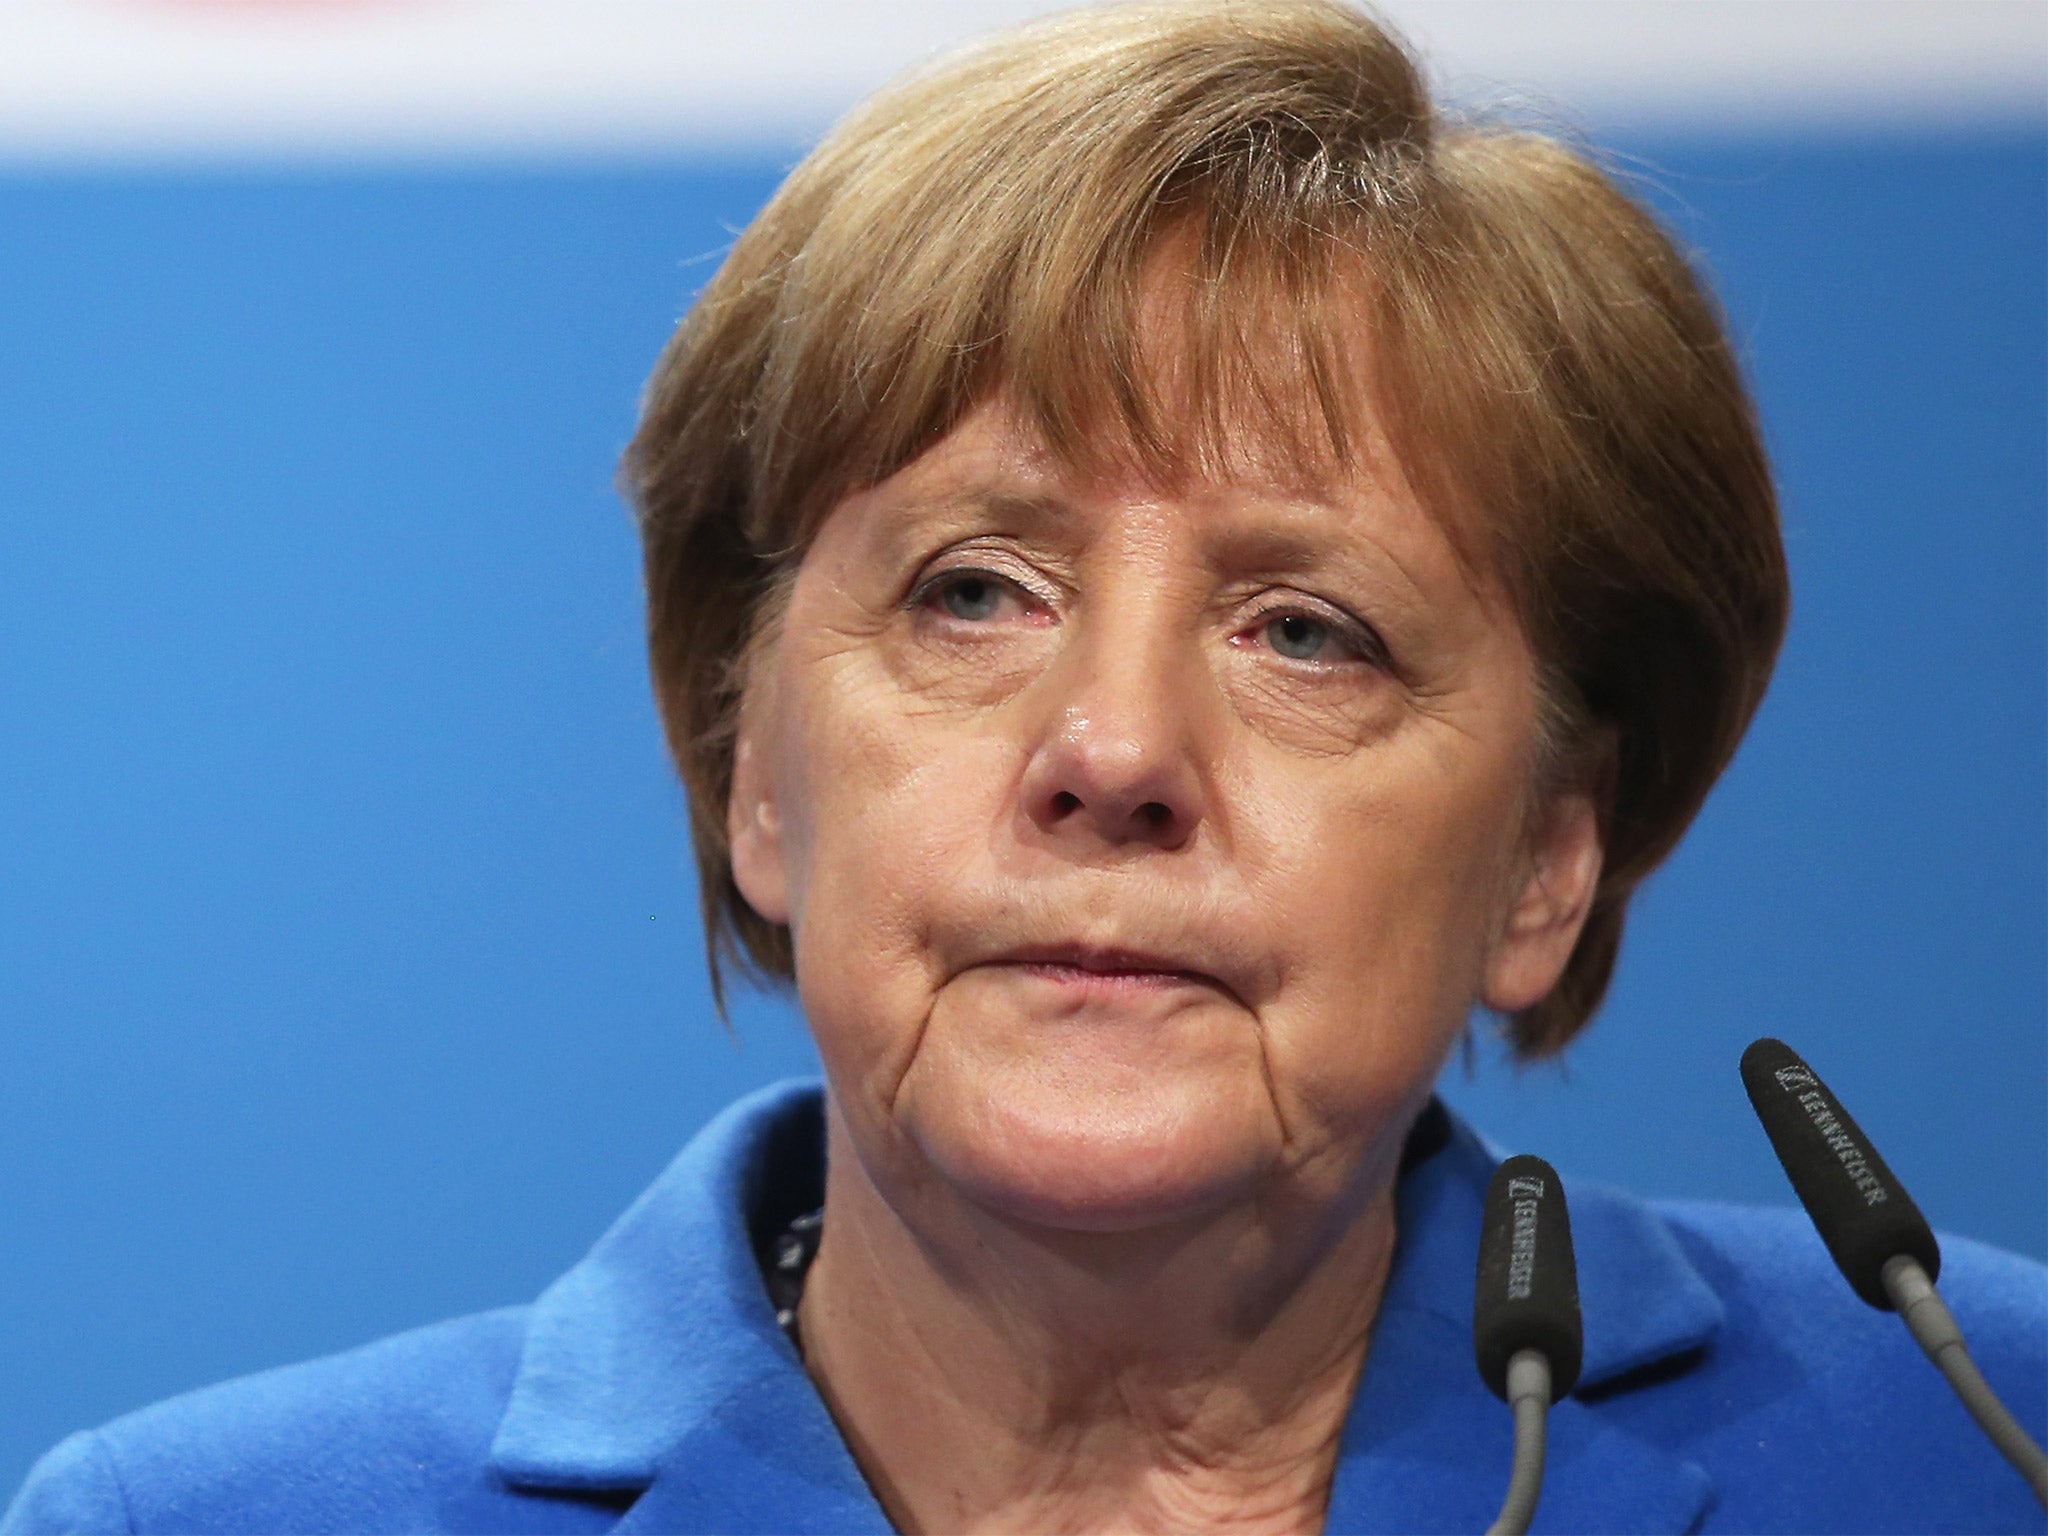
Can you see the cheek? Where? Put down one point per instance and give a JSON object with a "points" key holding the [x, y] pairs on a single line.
{"points": [[1382, 888], [893, 808]]}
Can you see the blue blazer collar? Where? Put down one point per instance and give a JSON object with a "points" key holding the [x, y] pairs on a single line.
{"points": [[1642, 1299], [666, 1323], [656, 1363], [1427, 1448]]}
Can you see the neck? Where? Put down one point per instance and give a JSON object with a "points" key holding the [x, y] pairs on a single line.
{"points": [[990, 1378]]}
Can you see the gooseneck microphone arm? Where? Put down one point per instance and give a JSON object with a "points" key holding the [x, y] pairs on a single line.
{"points": [[1877, 1236], [1528, 1393], [1525, 1317], [1928, 1319]]}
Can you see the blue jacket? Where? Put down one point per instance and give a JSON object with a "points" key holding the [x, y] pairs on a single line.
{"points": [[1731, 1383]]}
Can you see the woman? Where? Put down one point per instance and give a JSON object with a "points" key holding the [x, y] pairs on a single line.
{"points": [[1174, 575]]}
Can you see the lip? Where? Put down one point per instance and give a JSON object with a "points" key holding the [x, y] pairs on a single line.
{"points": [[1095, 965]]}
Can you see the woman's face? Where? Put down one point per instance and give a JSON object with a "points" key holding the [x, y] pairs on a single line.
{"points": [[1144, 851]]}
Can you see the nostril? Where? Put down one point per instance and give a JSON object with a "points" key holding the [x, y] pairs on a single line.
{"points": [[1155, 815], [1065, 803]]}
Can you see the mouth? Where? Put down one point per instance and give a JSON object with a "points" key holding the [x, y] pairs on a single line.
{"points": [[1096, 968]]}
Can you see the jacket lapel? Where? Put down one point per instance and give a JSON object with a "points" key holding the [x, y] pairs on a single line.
{"points": [[767, 1459], [665, 1323], [1428, 1448]]}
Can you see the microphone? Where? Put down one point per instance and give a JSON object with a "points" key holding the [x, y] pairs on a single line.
{"points": [[1525, 1317], [1873, 1230], [1863, 1214]]}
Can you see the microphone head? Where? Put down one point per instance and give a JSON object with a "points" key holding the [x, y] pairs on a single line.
{"points": [[1528, 1291], [1862, 1212]]}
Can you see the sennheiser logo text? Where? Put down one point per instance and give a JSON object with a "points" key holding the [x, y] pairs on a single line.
{"points": [[1522, 1247], [1815, 1103]]}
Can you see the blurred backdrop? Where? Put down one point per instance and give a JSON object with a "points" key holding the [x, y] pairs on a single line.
{"points": [[349, 967]]}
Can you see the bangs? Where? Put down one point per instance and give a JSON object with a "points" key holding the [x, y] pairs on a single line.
{"points": [[1181, 286], [1226, 351]]}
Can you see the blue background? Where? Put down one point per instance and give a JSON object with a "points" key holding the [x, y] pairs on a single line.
{"points": [[349, 966]]}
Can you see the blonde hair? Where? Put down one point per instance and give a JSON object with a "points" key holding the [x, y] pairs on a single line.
{"points": [[1552, 375]]}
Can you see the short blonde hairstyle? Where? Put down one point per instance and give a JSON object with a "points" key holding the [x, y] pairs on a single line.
{"points": [[1552, 375]]}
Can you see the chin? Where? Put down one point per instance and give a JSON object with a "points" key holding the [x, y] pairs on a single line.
{"points": [[1100, 1158]]}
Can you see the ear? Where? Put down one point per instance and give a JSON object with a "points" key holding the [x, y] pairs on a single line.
{"points": [[1559, 877], [753, 830]]}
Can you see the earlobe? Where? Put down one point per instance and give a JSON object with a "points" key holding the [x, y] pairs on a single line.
{"points": [[1549, 909], [753, 829]]}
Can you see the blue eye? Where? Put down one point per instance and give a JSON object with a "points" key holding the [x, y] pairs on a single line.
{"points": [[975, 595], [1299, 637], [970, 597]]}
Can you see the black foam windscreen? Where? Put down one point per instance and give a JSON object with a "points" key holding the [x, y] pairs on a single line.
{"points": [[1528, 1291], [1862, 1213]]}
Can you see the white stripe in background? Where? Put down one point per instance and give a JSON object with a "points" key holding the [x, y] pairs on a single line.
{"points": [[268, 79]]}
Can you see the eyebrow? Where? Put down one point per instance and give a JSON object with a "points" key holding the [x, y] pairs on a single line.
{"points": [[1285, 537], [1024, 511], [1269, 548], [1028, 508]]}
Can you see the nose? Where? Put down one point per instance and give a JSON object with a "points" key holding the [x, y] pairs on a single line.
{"points": [[1116, 766]]}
